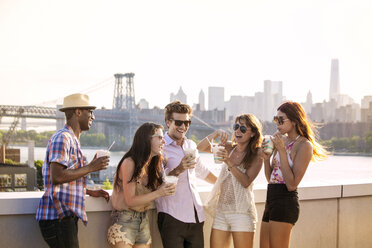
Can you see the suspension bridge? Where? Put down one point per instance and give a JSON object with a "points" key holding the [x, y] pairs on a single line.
{"points": [[120, 121]]}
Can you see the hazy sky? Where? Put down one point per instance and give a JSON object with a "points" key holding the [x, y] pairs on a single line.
{"points": [[49, 49]]}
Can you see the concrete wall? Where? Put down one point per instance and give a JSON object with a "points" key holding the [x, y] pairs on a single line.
{"points": [[331, 216]]}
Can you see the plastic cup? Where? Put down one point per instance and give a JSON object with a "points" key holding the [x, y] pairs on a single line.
{"points": [[190, 152], [102, 153], [216, 148], [269, 146], [171, 179]]}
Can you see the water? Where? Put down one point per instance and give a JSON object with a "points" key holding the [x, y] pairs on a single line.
{"points": [[335, 170]]}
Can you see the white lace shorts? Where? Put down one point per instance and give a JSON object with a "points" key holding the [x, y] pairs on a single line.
{"points": [[234, 222]]}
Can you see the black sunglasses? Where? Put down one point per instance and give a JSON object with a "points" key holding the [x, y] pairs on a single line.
{"points": [[243, 129], [279, 120], [179, 122]]}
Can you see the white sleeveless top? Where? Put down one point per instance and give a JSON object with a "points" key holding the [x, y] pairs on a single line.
{"points": [[229, 196]]}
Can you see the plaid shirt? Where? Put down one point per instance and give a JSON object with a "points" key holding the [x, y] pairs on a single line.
{"points": [[65, 199]]}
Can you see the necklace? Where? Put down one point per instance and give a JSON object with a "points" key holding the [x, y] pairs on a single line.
{"points": [[290, 144], [238, 154]]}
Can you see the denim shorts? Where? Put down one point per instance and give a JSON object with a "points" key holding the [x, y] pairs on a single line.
{"points": [[130, 227], [281, 205], [234, 222]]}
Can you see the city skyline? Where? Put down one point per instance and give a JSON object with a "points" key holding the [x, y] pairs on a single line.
{"points": [[54, 49]]}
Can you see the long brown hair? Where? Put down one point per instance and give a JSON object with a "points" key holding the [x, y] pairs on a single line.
{"points": [[255, 141], [140, 152], [304, 127]]}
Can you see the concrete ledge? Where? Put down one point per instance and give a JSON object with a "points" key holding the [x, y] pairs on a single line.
{"points": [[320, 192], [27, 202], [352, 190]]}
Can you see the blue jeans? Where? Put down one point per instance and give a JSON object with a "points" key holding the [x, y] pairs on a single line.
{"points": [[60, 233]]}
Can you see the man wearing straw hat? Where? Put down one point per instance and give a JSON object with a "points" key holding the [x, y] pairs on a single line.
{"points": [[64, 171]]}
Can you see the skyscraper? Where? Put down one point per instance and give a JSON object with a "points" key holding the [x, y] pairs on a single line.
{"points": [[334, 87], [216, 98], [181, 96], [309, 102], [273, 97], [202, 100]]}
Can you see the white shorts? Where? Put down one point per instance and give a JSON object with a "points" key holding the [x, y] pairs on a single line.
{"points": [[234, 222]]}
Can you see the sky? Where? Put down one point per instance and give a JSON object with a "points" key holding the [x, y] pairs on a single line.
{"points": [[50, 49]]}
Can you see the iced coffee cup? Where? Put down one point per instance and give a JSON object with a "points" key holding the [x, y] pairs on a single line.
{"points": [[269, 145], [171, 179], [102, 153], [217, 148], [190, 152]]}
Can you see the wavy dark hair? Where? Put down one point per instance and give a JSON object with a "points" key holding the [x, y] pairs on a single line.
{"points": [[176, 107], [255, 141], [140, 152], [304, 127]]}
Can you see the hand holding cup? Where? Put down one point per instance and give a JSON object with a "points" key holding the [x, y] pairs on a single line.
{"points": [[167, 189], [268, 145], [218, 153]]}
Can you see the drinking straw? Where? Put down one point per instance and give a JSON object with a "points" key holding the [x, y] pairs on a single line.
{"points": [[111, 145]]}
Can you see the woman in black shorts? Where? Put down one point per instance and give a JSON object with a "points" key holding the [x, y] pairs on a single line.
{"points": [[294, 147]]}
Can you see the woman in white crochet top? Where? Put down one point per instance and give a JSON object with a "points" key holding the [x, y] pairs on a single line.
{"points": [[231, 201]]}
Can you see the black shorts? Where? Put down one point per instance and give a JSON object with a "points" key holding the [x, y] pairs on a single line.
{"points": [[281, 205]]}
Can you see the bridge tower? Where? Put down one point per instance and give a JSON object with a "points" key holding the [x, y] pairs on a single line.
{"points": [[118, 100], [130, 103], [125, 100]]}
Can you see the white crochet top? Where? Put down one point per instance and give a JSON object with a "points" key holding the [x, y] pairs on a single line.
{"points": [[229, 196]]}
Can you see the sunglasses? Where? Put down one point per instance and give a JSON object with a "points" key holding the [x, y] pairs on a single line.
{"points": [[179, 122], [243, 129], [279, 120]]}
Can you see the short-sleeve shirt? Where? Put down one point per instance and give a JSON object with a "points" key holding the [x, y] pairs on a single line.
{"points": [[181, 205], [65, 199]]}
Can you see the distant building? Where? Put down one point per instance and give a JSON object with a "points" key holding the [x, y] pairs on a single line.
{"points": [[211, 116], [366, 109], [273, 94], [344, 100], [366, 114], [181, 96], [17, 178], [143, 104], [201, 100], [317, 112], [216, 98], [334, 87], [308, 103], [365, 102], [240, 105]]}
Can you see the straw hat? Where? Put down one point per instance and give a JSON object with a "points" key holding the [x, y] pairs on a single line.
{"points": [[76, 101]]}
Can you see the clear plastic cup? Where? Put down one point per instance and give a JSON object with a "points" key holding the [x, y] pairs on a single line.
{"points": [[269, 146], [190, 152], [102, 153], [216, 148], [171, 179]]}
